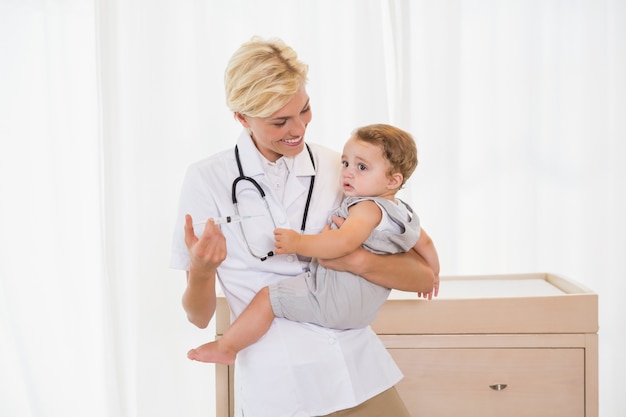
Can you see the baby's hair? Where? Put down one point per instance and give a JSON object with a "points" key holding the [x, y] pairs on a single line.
{"points": [[398, 147]]}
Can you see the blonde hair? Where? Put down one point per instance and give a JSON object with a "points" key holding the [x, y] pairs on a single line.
{"points": [[262, 76], [397, 146]]}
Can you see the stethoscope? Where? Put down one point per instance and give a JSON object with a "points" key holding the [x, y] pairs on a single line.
{"points": [[252, 181]]}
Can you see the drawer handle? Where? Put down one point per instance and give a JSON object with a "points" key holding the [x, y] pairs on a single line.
{"points": [[497, 387]]}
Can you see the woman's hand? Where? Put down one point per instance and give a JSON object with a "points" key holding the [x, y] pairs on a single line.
{"points": [[205, 255], [207, 252], [433, 293]]}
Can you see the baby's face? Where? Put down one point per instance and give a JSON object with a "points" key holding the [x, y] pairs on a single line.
{"points": [[364, 172]]}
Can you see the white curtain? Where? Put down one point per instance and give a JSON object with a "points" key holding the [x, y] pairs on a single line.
{"points": [[53, 318], [518, 109]]}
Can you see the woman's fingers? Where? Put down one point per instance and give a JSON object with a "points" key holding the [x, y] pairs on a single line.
{"points": [[212, 244], [190, 236], [209, 248]]}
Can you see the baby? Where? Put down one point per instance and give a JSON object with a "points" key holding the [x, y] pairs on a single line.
{"points": [[377, 161]]}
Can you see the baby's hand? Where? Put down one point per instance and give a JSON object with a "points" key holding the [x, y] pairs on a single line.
{"points": [[286, 241]]}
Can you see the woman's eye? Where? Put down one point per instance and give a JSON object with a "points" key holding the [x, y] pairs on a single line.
{"points": [[306, 109]]}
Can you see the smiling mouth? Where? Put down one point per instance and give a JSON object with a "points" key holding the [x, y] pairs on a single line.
{"points": [[292, 142]]}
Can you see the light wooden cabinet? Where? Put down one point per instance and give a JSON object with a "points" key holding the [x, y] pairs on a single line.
{"points": [[514, 345]]}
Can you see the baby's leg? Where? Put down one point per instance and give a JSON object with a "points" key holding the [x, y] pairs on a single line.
{"points": [[251, 324]]}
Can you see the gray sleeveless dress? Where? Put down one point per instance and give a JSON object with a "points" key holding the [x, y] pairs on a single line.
{"points": [[342, 300]]}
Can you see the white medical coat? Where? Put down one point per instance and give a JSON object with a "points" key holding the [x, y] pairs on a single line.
{"points": [[296, 369]]}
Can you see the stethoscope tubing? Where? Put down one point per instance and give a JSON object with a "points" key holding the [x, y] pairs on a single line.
{"points": [[256, 185]]}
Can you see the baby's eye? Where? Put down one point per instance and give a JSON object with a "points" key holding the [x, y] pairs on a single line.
{"points": [[345, 164], [361, 167]]}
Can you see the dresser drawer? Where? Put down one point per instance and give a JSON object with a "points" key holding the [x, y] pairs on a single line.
{"points": [[508, 382]]}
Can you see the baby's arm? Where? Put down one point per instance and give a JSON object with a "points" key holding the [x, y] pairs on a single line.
{"points": [[362, 218], [426, 248]]}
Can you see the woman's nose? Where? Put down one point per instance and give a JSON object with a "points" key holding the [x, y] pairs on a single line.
{"points": [[299, 127]]}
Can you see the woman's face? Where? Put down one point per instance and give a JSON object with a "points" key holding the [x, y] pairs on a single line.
{"points": [[282, 133]]}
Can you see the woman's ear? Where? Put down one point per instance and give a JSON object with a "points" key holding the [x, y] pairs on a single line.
{"points": [[395, 181], [242, 119]]}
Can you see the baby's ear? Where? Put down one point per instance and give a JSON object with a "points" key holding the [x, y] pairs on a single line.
{"points": [[395, 181]]}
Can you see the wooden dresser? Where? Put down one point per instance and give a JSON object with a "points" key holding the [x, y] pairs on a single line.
{"points": [[506, 345]]}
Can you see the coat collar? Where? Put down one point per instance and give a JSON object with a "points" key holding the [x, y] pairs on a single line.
{"points": [[252, 160]]}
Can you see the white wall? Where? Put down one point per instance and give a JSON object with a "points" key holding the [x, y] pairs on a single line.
{"points": [[517, 108]]}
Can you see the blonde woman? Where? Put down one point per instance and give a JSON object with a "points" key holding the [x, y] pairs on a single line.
{"points": [[295, 369]]}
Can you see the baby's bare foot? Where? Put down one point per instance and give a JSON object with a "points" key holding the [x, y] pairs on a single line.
{"points": [[212, 353]]}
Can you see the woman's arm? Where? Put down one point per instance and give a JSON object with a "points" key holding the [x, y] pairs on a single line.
{"points": [[404, 271], [426, 248], [205, 254]]}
